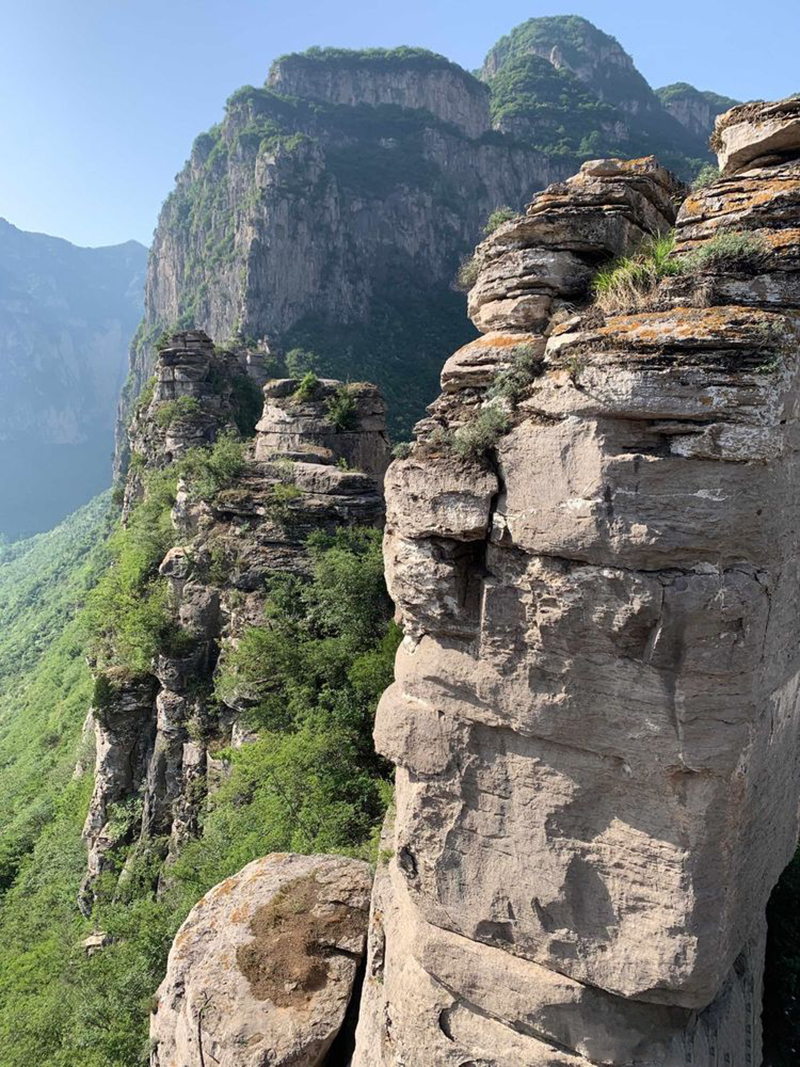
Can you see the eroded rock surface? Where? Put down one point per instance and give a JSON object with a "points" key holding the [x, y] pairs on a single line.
{"points": [[158, 733], [262, 971], [595, 710]]}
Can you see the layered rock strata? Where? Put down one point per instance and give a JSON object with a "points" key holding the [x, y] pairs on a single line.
{"points": [[595, 710], [157, 734], [262, 971]]}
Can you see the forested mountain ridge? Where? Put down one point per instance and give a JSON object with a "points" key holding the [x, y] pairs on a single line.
{"points": [[329, 210], [66, 318]]}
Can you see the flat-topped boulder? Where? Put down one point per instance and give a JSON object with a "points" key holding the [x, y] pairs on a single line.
{"points": [[759, 132], [321, 420]]}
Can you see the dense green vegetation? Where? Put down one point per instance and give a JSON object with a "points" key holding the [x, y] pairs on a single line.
{"points": [[554, 111], [45, 684], [596, 103], [311, 783], [401, 347], [576, 39]]}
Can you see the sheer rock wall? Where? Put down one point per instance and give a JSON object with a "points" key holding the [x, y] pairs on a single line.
{"points": [[595, 710]]}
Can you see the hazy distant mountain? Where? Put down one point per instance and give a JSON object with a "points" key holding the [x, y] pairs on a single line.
{"points": [[66, 317]]}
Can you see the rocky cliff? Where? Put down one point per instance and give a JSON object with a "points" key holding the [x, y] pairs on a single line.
{"points": [[592, 546], [328, 211], [696, 109], [67, 315], [405, 77], [236, 520], [330, 208]]}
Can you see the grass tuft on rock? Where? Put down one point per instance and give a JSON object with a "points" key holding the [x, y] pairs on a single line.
{"points": [[467, 274], [625, 284]]}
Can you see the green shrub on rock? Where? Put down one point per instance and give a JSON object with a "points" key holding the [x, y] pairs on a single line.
{"points": [[467, 274], [497, 218], [343, 409], [524, 367], [307, 388], [730, 249], [478, 436]]}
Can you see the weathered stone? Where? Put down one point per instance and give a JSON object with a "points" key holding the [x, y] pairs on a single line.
{"points": [[757, 131], [450, 94], [262, 971], [595, 711], [476, 364], [533, 264], [160, 738], [296, 429]]}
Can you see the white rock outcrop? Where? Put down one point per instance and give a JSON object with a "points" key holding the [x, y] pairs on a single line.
{"points": [[595, 710]]}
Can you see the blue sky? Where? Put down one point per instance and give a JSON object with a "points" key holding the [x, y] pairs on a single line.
{"points": [[100, 100]]}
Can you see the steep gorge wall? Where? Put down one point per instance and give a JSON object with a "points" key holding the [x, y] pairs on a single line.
{"points": [[329, 207], [595, 713], [419, 81]]}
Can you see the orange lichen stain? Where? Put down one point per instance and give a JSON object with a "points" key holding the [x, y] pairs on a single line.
{"points": [[497, 340], [779, 239], [224, 889], [240, 914]]}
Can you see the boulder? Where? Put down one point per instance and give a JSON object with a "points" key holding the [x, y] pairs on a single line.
{"points": [[262, 971], [768, 132]]}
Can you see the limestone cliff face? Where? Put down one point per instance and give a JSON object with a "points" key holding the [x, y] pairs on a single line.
{"points": [[593, 549], [329, 210], [157, 732], [695, 109], [414, 79], [330, 207]]}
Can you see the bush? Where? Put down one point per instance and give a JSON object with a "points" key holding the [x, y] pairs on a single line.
{"points": [[626, 283], [174, 410], [402, 450], [731, 249], [467, 274], [127, 612], [343, 409], [497, 218], [707, 175], [280, 500], [307, 388], [144, 399], [300, 361], [211, 470], [481, 434], [511, 383]]}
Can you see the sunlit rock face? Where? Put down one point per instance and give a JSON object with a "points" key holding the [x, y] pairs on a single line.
{"points": [[595, 710]]}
